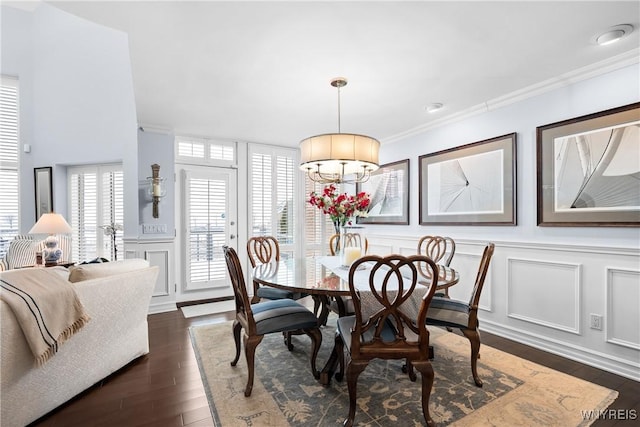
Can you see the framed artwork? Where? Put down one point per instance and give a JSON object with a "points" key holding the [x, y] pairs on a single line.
{"points": [[44, 190], [474, 184], [389, 190], [588, 170]]}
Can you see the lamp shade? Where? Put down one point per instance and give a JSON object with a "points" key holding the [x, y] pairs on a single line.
{"points": [[51, 223], [334, 151]]}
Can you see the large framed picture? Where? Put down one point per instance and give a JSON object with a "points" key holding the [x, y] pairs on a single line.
{"points": [[588, 170], [44, 190], [474, 184], [389, 191]]}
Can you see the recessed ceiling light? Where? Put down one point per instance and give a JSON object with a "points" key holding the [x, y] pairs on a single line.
{"points": [[613, 34], [432, 108]]}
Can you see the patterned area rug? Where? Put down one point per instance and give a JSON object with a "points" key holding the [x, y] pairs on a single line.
{"points": [[516, 392]]}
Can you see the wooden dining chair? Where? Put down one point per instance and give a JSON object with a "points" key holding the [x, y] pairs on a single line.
{"points": [[463, 315], [441, 250], [389, 322], [260, 319], [262, 250]]}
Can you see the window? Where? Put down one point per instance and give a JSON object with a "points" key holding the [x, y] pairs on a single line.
{"points": [[96, 197], [272, 203], [9, 162], [204, 151]]}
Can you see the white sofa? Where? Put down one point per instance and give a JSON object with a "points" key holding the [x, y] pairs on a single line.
{"points": [[116, 296]]}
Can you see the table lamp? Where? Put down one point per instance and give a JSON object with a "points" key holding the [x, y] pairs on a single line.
{"points": [[51, 224]]}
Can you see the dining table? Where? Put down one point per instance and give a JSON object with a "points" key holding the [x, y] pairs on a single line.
{"points": [[324, 278]]}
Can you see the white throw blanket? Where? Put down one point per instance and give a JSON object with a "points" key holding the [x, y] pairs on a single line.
{"points": [[46, 307]]}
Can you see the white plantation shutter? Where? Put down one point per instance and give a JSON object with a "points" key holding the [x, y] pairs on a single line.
{"points": [[273, 199], [9, 162], [318, 227], [285, 208], [261, 192], [96, 200], [205, 210]]}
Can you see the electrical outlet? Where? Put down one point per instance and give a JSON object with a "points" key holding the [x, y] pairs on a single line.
{"points": [[596, 322]]}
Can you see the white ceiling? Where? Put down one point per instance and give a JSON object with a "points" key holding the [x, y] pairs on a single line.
{"points": [[260, 71]]}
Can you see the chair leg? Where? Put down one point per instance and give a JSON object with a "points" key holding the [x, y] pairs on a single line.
{"points": [[250, 344], [316, 341], [338, 347], [317, 304], [474, 338], [324, 310], [237, 329], [354, 369], [287, 340], [407, 368], [426, 371]]}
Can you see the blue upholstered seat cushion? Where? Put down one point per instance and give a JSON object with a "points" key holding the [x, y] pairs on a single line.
{"points": [[346, 324], [282, 315], [268, 292], [448, 312]]}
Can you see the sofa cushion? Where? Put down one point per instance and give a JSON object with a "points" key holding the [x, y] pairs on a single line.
{"points": [[93, 271]]}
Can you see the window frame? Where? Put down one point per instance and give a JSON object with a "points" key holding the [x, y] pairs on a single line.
{"points": [[295, 247], [99, 170]]}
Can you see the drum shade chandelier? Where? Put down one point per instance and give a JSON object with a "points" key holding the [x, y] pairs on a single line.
{"points": [[339, 157]]}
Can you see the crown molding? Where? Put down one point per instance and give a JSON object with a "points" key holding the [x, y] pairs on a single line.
{"points": [[625, 59]]}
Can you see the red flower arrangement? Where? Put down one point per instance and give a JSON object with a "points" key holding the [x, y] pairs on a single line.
{"points": [[340, 207]]}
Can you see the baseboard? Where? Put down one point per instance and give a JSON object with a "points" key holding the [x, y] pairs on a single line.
{"points": [[162, 307], [599, 360], [181, 304]]}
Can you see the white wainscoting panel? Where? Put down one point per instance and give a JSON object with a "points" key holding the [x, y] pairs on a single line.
{"points": [[622, 324], [544, 292], [160, 257], [159, 253]]}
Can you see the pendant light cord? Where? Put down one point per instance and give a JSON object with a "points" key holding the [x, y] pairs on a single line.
{"points": [[338, 108]]}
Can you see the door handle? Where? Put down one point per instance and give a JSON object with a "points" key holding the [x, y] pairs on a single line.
{"points": [[232, 236]]}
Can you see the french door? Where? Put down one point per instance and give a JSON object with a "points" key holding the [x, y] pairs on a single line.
{"points": [[208, 220]]}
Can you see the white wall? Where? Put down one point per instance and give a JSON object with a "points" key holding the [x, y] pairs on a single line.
{"points": [[544, 282], [77, 100], [158, 148]]}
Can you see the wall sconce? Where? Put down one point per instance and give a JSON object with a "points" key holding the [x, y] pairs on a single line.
{"points": [[156, 188]]}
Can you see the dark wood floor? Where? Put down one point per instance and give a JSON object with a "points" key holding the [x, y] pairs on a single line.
{"points": [[164, 388]]}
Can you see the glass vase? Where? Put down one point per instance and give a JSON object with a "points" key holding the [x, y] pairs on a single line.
{"points": [[352, 244]]}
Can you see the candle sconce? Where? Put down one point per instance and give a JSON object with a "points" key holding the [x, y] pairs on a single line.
{"points": [[156, 188]]}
